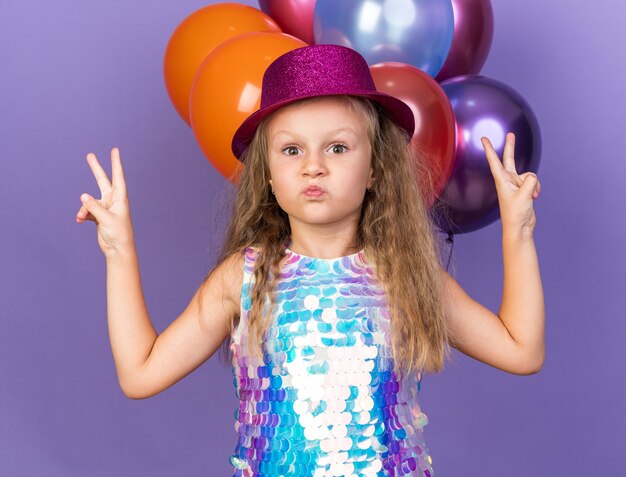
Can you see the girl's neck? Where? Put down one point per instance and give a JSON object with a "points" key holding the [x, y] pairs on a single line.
{"points": [[320, 249]]}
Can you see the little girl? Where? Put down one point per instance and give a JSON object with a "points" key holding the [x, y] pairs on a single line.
{"points": [[329, 290]]}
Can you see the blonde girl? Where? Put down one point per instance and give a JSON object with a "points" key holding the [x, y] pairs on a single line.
{"points": [[328, 292]]}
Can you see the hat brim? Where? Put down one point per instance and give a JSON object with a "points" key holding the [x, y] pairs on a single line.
{"points": [[400, 113]]}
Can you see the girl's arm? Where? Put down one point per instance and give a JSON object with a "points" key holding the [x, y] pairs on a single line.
{"points": [[513, 340], [522, 310], [148, 363], [131, 332]]}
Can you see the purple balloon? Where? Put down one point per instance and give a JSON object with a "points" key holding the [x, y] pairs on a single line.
{"points": [[471, 40], [294, 17], [483, 107]]}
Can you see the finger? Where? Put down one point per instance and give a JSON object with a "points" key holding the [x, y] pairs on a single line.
{"points": [[523, 177], [83, 213], [117, 172], [537, 189], [94, 207], [492, 158], [508, 156], [101, 177], [88, 216], [529, 184]]}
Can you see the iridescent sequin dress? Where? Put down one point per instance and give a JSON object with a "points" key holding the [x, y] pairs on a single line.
{"points": [[324, 399]]}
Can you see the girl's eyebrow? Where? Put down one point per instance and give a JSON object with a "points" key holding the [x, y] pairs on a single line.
{"points": [[334, 131]]}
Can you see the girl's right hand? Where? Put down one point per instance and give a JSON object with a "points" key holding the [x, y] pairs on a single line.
{"points": [[111, 213]]}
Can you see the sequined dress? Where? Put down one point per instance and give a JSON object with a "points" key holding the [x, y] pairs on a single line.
{"points": [[324, 399]]}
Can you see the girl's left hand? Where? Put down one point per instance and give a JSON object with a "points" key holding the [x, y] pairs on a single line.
{"points": [[515, 192]]}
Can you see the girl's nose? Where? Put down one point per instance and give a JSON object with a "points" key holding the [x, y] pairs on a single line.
{"points": [[314, 164]]}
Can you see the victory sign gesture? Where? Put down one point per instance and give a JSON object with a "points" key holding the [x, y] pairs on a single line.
{"points": [[515, 192], [111, 212]]}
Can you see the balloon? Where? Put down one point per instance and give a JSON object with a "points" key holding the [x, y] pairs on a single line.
{"points": [[294, 16], [415, 32], [227, 89], [471, 42], [434, 138], [197, 36], [483, 107]]}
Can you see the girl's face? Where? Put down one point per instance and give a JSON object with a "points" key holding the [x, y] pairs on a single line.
{"points": [[320, 143]]}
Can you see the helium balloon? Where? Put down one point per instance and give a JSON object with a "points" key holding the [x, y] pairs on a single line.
{"points": [[434, 139], [197, 36], [293, 16], [227, 89], [471, 41], [415, 32], [483, 107]]}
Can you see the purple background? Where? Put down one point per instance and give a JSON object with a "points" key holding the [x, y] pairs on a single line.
{"points": [[85, 76]]}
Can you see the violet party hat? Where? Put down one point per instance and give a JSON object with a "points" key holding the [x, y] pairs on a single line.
{"points": [[317, 70]]}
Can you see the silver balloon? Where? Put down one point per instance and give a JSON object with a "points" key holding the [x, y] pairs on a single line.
{"points": [[415, 32]]}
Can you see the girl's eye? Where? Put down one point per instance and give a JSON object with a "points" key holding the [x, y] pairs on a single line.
{"points": [[291, 150], [338, 148], [335, 149]]}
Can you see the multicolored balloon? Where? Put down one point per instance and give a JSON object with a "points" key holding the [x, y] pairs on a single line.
{"points": [[415, 32], [471, 42], [434, 139], [294, 16], [197, 36], [227, 89], [483, 107]]}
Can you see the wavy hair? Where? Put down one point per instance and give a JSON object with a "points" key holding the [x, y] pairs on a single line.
{"points": [[395, 230]]}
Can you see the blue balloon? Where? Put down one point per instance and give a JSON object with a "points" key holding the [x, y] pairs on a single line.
{"points": [[415, 32]]}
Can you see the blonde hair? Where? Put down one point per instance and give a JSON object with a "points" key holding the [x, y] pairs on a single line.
{"points": [[395, 229]]}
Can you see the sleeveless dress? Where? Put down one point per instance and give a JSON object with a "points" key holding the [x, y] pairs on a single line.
{"points": [[324, 399]]}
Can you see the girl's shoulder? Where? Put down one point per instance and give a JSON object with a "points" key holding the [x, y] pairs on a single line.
{"points": [[236, 266], [230, 273]]}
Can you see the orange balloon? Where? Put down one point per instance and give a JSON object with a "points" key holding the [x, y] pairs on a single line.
{"points": [[434, 139], [227, 89], [198, 35]]}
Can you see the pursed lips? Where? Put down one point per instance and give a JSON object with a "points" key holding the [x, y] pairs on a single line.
{"points": [[313, 191]]}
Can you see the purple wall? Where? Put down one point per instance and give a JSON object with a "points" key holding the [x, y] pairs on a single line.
{"points": [[81, 77]]}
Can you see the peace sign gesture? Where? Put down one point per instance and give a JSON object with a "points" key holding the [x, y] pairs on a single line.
{"points": [[515, 192], [111, 212]]}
